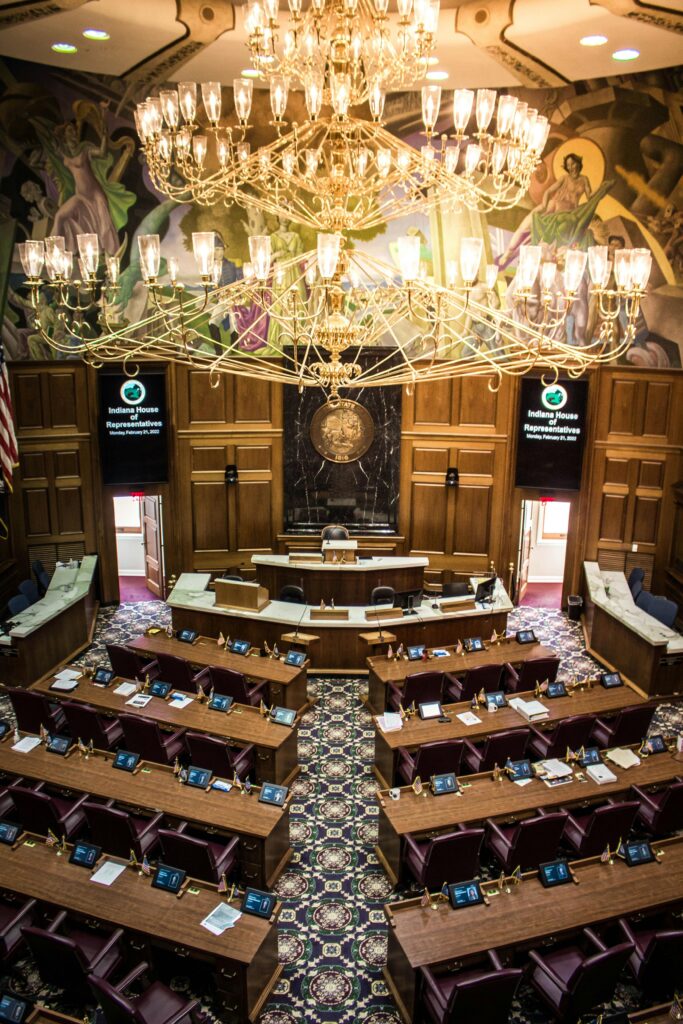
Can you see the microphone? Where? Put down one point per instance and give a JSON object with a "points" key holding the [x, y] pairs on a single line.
{"points": [[296, 631]]}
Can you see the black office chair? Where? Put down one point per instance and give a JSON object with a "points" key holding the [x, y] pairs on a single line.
{"points": [[234, 577], [30, 591], [292, 594], [17, 604], [383, 596], [334, 532], [42, 578]]}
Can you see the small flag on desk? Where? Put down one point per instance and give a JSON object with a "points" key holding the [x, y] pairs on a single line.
{"points": [[221, 640], [210, 696], [144, 867], [390, 652], [51, 838], [606, 855], [176, 767], [200, 691], [444, 889], [223, 885], [517, 874], [82, 749], [247, 786], [132, 859], [417, 785], [458, 648], [276, 651], [44, 734], [494, 637], [425, 898]]}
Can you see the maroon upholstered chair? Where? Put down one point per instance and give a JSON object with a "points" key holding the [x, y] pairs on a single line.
{"points": [[13, 916], [488, 677], [179, 673], [158, 1004], [201, 858], [429, 759], [33, 710], [119, 832], [629, 726], [234, 684], [450, 858], [572, 981], [495, 749], [589, 833], [214, 753], [66, 954], [528, 843], [472, 996], [38, 811], [131, 665], [657, 956], [531, 672], [661, 812], [569, 732], [144, 737], [85, 723], [418, 688]]}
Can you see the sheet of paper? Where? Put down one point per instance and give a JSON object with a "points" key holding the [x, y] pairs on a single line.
{"points": [[180, 700], [522, 782], [389, 721], [140, 700], [108, 873], [68, 673], [125, 689], [64, 684], [623, 757], [556, 767], [221, 917], [440, 653], [468, 718], [27, 744], [221, 785]]}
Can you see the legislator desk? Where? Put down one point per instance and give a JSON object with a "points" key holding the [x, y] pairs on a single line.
{"points": [[340, 645], [421, 937], [243, 959], [483, 798], [263, 829], [275, 760], [345, 583], [52, 630], [623, 637], [286, 683]]}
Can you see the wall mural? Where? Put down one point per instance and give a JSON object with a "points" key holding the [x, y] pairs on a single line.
{"points": [[612, 175]]}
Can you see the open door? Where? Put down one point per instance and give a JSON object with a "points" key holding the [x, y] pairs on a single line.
{"points": [[524, 552], [154, 544]]}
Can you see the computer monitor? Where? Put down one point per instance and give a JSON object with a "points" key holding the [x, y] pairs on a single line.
{"points": [[484, 591]]}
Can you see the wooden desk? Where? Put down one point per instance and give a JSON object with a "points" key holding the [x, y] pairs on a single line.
{"points": [[484, 798], [420, 936], [244, 957], [286, 684], [262, 828], [383, 672], [276, 745], [348, 583], [416, 732]]}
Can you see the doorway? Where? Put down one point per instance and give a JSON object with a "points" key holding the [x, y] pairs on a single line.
{"points": [[542, 552], [139, 547]]}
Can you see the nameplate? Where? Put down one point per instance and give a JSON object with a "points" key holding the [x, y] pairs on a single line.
{"points": [[457, 606], [383, 614], [305, 559], [339, 614]]}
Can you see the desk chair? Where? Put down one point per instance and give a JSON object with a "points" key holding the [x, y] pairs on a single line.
{"points": [[456, 589], [33, 710], [334, 532], [664, 611], [130, 665], [144, 737], [488, 677], [644, 601], [531, 672], [234, 684], [661, 813], [158, 1004], [85, 723], [528, 843], [589, 833], [234, 577], [66, 955], [13, 916], [179, 673], [657, 956], [429, 759], [17, 604], [629, 726], [201, 858], [495, 750], [450, 858], [119, 832], [569, 732], [572, 981], [418, 688], [223, 760], [635, 581], [471, 996], [292, 594], [42, 578], [38, 811], [382, 596], [30, 591]]}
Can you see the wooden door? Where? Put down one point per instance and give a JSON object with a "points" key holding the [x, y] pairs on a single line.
{"points": [[153, 541], [524, 555]]}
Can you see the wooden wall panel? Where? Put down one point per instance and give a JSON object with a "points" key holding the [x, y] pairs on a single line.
{"points": [[472, 522], [429, 521]]}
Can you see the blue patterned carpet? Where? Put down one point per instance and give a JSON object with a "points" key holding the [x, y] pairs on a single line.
{"points": [[332, 930]]}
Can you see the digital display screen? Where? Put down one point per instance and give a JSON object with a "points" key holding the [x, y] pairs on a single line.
{"points": [[133, 428], [525, 636], [4, 729], [415, 653], [187, 636], [283, 716], [550, 434], [445, 783], [168, 878], [240, 646], [590, 756], [496, 697], [611, 679], [159, 689], [556, 689], [219, 702], [58, 744], [655, 745], [85, 854], [430, 709], [259, 903], [473, 643], [11, 1009], [272, 794], [9, 832], [637, 853], [520, 770], [103, 676], [296, 658], [465, 894], [198, 777], [555, 872], [125, 760]]}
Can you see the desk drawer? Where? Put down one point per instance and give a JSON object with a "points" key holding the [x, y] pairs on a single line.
{"points": [[251, 850]]}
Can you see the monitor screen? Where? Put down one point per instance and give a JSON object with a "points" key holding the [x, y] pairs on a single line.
{"points": [[168, 878], [556, 689], [415, 653], [525, 636], [484, 591], [283, 716], [611, 679], [272, 794], [656, 744], [520, 769], [550, 434], [296, 658], [102, 676], [187, 636], [444, 783], [133, 428], [160, 689], [240, 646], [591, 755], [58, 744], [126, 760], [554, 872], [637, 853], [12, 1010], [430, 709], [9, 832], [261, 904], [85, 854], [199, 777], [473, 643], [4, 728], [220, 702], [465, 894], [496, 697]]}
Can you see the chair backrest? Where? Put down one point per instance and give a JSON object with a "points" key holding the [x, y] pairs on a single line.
{"points": [[487, 676], [436, 758], [110, 828], [234, 576], [635, 581], [500, 746], [570, 732], [84, 723], [493, 991], [117, 1009], [595, 979], [17, 604], [192, 855], [334, 532], [644, 601], [536, 839], [176, 671], [30, 591], [455, 589], [537, 670], [229, 683], [31, 709], [608, 824], [382, 595], [59, 958], [453, 857], [37, 567], [292, 594], [209, 752], [661, 964], [124, 662], [669, 817], [143, 736], [664, 610], [631, 725], [421, 687], [36, 811]]}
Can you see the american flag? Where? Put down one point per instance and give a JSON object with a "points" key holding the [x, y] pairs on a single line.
{"points": [[8, 442]]}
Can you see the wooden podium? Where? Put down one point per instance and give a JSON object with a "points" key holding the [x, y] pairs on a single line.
{"points": [[335, 550], [241, 594]]}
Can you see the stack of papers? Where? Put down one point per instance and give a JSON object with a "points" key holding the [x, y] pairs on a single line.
{"points": [[221, 917], [108, 873], [555, 768], [125, 689], [140, 700], [601, 774], [27, 744], [180, 700], [468, 718], [66, 680], [390, 721], [530, 710], [623, 757]]}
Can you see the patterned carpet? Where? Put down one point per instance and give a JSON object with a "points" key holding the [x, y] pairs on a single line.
{"points": [[332, 931]]}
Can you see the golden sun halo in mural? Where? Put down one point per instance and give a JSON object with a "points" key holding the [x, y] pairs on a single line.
{"points": [[591, 155]]}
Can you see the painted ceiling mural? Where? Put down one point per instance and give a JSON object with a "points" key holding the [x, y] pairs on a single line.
{"points": [[612, 174]]}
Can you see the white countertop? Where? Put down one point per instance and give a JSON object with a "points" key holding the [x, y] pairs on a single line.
{"points": [[68, 585], [189, 596], [383, 562], [610, 591]]}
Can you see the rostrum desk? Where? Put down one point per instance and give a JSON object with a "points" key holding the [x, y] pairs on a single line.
{"points": [[243, 959]]}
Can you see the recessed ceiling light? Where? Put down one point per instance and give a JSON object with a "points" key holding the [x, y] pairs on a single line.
{"points": [[436, 76], [250, 73], [626, 54], [593, 40], [96, 33], [64, 48], [432, 61]]}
